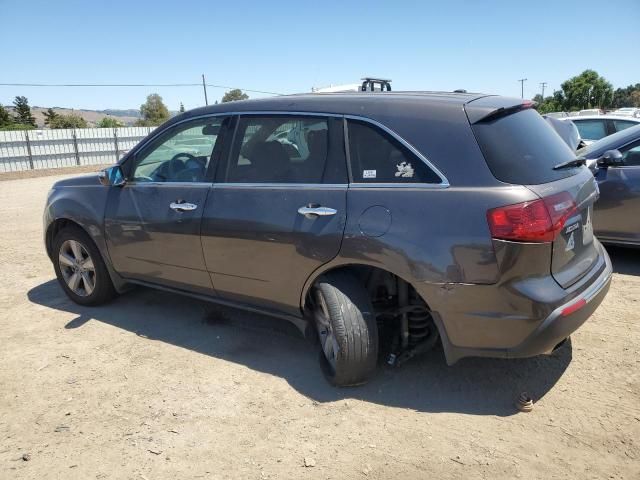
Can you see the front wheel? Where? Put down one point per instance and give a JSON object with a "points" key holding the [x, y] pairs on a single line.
{"points": [[80, 269], [347, 329]]}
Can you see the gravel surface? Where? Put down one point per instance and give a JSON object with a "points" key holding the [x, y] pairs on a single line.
{"points": [[155, 385]]}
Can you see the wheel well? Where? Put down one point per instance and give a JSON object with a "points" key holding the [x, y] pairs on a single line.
{"points": [[373, 278], [54, 228], [404, 317]]}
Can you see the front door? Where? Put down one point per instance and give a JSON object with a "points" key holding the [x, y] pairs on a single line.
{"points": [[616, 215], [152, 223], [277, 210]]}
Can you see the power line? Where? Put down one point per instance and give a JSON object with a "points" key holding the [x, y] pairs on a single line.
{"points": [[133, 85]]}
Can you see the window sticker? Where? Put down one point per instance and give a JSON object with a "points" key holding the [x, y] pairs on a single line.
{"points": [[405, 170], [368, 174]]}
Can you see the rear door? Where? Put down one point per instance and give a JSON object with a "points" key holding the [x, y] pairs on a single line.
{"points": [[277, 209], [152, 223]]}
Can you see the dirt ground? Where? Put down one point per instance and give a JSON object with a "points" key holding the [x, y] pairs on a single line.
{"points": [[159, 386]]}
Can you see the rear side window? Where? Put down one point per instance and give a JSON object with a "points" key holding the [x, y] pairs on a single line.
{"points": [[377, 157], [522, 148], [592, 129], [622, 124], [284, 149]]}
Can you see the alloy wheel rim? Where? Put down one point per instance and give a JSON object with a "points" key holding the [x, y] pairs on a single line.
{"points": [[327, 338], [77, 268]]}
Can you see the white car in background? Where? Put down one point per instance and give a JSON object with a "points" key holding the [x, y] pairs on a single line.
{"points": [[627, 112], [590, 112], [595, 127]]}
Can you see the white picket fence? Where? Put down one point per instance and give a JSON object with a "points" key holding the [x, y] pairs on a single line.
{"points": [[37, 149]]}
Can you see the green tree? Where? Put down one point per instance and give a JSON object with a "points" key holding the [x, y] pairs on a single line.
{"points": [[109, 122], [587, 90], [552, 103], [68, 121], [5, 118], [627, 97], [233, 95], [23, 111], [153, 111], [49, 116], [181, 108]]}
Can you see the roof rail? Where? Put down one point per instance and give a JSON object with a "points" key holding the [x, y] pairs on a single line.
{"points": [[369, 84]]}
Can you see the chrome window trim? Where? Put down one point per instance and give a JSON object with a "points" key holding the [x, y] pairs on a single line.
{"points": [[302, 186], [403, 186], [173, 184], [444, 184]]}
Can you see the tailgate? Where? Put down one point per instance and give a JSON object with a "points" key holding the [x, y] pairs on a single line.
{"points": [[574, 250]]}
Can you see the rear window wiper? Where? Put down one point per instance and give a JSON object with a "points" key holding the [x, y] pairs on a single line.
{"points": [[576, 162]]}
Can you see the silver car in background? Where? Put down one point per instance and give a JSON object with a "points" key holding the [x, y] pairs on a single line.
{"points": [[596, 127]]}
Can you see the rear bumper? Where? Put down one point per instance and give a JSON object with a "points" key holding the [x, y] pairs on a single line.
{"points": [[557, 327], [536, 332]]}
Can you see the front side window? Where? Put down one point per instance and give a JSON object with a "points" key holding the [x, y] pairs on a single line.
{"points": [[591, 129], [182, 155], [279, 149], [377, 157]]}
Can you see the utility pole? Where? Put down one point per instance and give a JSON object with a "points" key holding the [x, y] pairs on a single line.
{"points": [[522, 80], [204, 87], [543, 84]]}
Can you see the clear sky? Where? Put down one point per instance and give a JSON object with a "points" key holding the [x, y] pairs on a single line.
{"points": [[290, 46]]}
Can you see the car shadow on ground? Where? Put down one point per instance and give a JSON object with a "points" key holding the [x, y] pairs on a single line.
{"points": [[473, 386], [625, 260]]}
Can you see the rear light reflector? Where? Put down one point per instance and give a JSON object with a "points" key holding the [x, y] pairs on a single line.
{"points": [[535, 221], [574, 307]]}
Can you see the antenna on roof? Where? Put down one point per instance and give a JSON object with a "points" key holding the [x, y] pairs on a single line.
{"points": [[369, 84]]}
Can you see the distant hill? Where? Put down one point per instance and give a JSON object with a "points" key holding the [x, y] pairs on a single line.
{"points": [[126, 116], [121, 113]]}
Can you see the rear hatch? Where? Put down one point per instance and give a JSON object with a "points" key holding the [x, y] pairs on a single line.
{"points": [[521, 148]]}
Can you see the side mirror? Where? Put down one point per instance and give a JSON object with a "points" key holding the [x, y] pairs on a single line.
{"points": [[112, 176], [611, 158]]}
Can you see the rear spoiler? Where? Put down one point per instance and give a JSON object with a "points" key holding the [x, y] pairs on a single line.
{"points": [[491, 107]]}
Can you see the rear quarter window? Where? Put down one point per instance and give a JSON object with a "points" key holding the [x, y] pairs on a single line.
{"points": [[521, 148], [377, 157]]}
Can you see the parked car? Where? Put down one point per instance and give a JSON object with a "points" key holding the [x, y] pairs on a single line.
{"points": [[410, 219], [615, 161], [627, 112], [557, 114], [596, 127], [567, 131], [590, 112]]}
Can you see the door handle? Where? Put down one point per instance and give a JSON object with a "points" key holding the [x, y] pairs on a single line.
{"points": [[182, 206], [313, 212]]}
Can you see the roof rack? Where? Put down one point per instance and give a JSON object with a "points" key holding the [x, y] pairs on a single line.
{"points": [[369, 84]]}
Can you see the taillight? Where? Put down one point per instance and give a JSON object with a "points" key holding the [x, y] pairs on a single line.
{"points": [[535, 221]]}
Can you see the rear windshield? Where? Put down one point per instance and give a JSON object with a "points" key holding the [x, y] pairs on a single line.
{"points": [[522, 148]]}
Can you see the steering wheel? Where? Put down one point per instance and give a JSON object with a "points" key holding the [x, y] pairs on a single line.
{"points": [[176, 164]]}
